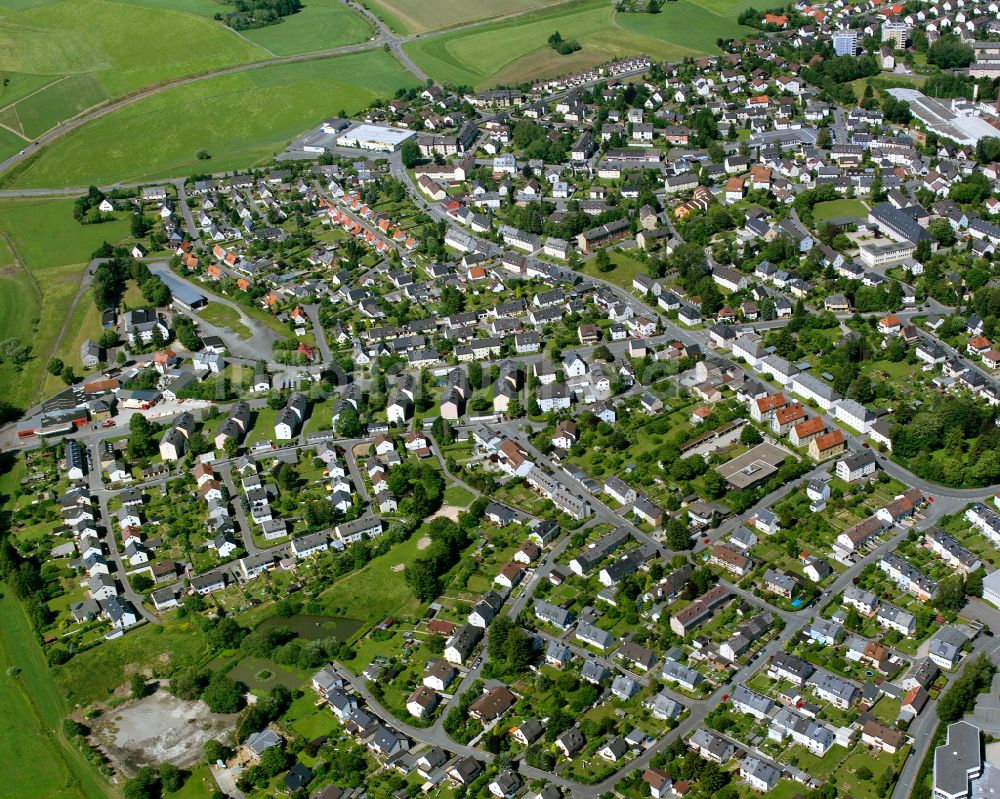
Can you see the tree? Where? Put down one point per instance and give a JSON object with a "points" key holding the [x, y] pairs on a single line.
{"points": [[140, 688], [410, 153], [141, 438], [144, 785], [223, 694], [348, 423], [171, 777], [948, 52], [750, 436], [942, 231], [214, 751], [865, 773], [141, 583], [55, 366]]}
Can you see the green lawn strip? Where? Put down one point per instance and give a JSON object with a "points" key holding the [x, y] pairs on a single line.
{"points": [[47, 765]]}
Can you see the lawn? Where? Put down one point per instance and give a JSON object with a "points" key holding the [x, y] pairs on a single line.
{"points": [[320, 25], [516, 50], [220, 315], [242, 119], [420, 16], [625, 269], [378, 590], [121, 48], [823, 212], [46, 764], [456, 495]]}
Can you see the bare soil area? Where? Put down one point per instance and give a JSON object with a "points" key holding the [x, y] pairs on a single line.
{"points": [[160, 729]]}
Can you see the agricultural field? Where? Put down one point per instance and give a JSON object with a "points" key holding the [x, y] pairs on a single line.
{"points": [[244, 119], [419, 16], [49, 766], [516, 50], [320, 25], [59, 68], [55, 262], [695, 24]]}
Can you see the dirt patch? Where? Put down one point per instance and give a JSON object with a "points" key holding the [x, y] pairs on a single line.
{"points": [[399, 567], [160, 729], [423, 543], [449, 512]]}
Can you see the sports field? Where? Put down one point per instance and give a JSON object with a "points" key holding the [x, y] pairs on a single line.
{"points": [[240, 119], [38, 287], [420, 16], [58, 66], [516, 50]]}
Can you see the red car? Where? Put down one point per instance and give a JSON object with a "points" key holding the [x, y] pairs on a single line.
{"points": [[707, 540]]}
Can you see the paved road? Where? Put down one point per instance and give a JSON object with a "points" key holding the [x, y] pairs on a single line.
{"points": [[312, 311]]}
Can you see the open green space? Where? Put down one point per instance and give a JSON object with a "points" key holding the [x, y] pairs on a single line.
{"points": [[626, 267], [456, 495], [420, 16], [35, 300], [516, 50], [696, 24], [378, 590], [839, 208], [320, 25], [10, 143], [45, 234], [216, 313], [46, 765], [94, 675], [240, 119], [121, 48]]}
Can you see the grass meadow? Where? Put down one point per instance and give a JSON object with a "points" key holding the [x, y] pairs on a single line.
{"points": [[420, 16], [39, 285], [47, 765], [59, 67], [516, 50], [320, 25], [240, 119]]}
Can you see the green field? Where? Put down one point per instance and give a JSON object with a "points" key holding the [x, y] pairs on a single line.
{"points": [[378, 590], [516, 50], [216, 313], [838, 208], [320, 25], [55, 262], [625, 269], [240, 119], [420, 16], [10, 143], [46, 765], [121, 48], [690, 23]]}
